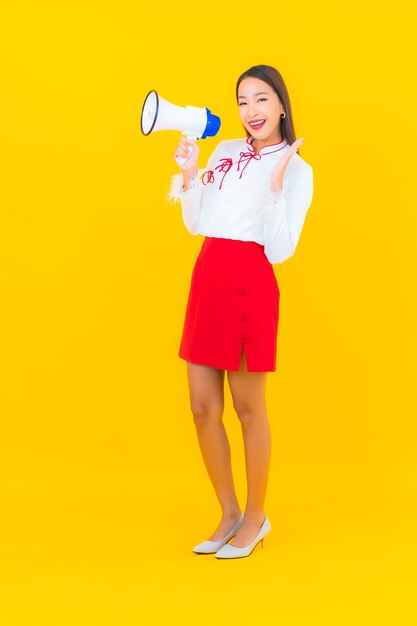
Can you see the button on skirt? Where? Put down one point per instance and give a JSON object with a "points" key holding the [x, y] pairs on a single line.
{"points": [[233, 305]]}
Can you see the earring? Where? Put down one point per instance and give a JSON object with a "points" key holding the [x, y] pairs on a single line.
{"points": [[283, 115]]}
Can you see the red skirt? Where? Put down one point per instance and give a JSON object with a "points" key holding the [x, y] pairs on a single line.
{"points": [[233, 304]]}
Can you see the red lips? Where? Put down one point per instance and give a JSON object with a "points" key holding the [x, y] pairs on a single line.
{"points": [[258, 126]]}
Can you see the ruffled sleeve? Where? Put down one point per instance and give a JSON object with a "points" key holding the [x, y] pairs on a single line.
{"points": [[190, 198], [284, 215]]}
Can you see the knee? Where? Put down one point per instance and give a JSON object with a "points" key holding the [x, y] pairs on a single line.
{"points": [[206, 413], [247, 413]]}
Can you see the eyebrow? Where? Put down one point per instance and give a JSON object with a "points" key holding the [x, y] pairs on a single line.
{"points": [[260, 93]]}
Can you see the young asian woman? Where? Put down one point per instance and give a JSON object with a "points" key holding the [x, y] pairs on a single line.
{"points": [[250, 203]]}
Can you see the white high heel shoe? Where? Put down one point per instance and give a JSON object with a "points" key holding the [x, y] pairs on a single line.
{"points": [[210, 547], [233, 552]]}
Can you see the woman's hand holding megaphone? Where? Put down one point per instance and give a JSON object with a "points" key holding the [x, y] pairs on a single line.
{"points": [[189, 150]]}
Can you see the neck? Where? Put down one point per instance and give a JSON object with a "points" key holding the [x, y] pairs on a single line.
{"points": [[257, 144]]}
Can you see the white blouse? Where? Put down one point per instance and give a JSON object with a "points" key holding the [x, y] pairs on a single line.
{"points": [[232, 197]]}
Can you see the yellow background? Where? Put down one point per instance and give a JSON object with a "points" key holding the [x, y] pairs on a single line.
{"points": [[104, 491]]}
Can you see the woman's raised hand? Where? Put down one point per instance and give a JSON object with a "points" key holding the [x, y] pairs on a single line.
{"points": [[278, 171], [182, 152]]}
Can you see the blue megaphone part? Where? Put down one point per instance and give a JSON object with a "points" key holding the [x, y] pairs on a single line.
{"points": [[212, 126]]}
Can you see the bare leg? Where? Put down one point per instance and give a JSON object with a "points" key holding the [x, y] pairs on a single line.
{"points": [[248, 392], [206, 386]]}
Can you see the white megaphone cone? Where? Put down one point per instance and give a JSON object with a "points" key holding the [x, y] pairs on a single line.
{"points": [[195, 122]]}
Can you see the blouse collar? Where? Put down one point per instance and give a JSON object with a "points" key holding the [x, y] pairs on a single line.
{"points": [[273, 147]]}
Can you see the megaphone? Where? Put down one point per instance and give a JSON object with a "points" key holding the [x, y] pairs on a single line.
{"points": [[195, 122]]}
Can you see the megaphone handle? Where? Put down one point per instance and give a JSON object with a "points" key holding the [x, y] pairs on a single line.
{"points": [[182, 160]]}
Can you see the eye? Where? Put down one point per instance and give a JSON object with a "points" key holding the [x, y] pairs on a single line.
{"points": [[262, 100], [240, 103]]}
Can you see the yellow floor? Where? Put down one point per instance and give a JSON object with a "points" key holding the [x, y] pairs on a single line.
{"points": [[103, 551]]}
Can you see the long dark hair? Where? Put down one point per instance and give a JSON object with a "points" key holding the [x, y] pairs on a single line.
{"points": [[273, 78]]}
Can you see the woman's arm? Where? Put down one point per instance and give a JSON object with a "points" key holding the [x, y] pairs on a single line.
{"points": [[187, 187], [190, 197], [285, 215]]}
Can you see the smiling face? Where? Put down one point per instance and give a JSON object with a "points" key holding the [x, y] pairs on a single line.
{"points": [[260, 111]]}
